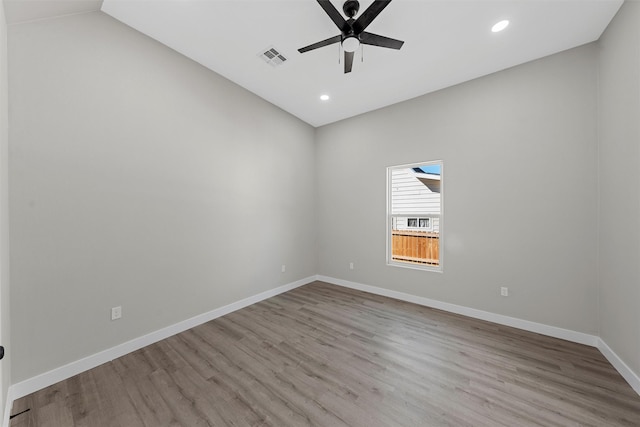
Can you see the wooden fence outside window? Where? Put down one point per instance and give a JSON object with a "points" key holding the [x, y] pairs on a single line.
{"points": [[418, 247]]}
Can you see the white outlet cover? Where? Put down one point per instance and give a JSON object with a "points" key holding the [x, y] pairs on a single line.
{"points": [[116, 313]]}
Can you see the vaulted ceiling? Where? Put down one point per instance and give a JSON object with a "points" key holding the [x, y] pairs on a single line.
{"points": [[446, 42]]}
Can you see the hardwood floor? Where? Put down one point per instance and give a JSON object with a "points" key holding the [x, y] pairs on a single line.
{"points": [[323, 355]]}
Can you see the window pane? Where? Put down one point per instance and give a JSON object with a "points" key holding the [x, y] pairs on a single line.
{"points": [[415, 214]]}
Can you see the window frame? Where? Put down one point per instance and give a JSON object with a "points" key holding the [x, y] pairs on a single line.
{"points": [[390, 217]]}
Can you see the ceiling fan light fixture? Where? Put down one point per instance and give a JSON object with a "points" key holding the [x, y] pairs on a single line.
{"points": [[324, 97], [350, 44], [500, 26]]}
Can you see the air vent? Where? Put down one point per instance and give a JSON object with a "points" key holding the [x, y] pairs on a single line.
{"points": [[272, 56]]}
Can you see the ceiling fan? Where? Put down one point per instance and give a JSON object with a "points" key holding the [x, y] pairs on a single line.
{"points": [[352, 31]]}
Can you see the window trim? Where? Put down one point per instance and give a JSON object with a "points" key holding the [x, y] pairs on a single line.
{"points": [[388, 252]]}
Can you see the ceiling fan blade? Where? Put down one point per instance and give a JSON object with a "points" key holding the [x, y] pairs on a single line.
{"points": [[382, 41], [369, 15], [335, 16], [327, 42], [348, 62]]}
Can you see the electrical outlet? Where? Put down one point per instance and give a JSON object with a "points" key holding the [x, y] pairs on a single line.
{"points": [[504, 291], [284, 268], [350, 266], [116, 313]]}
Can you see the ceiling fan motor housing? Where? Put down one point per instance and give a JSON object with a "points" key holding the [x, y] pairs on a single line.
{"points": [[350, 40]]}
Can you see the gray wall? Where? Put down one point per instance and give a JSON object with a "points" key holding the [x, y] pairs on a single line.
{"points": [[5, 365], [141, 179], [619, 185], [519, 152]]}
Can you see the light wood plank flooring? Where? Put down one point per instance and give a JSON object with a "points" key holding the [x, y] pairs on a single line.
{"points": [[323, 355]]}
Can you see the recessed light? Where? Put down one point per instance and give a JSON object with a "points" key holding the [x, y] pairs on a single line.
{"points": [[324, 97], [500, 26]]}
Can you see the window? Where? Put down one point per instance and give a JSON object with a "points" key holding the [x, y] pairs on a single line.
{"points": [[414, 215], [419, 223]]}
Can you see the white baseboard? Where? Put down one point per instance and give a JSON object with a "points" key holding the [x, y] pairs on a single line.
{"points": [[23, 388], [552, 331], [631, 377]]}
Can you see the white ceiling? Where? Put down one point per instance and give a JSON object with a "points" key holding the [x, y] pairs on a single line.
{"points": [[446, 42], [17, 11]]}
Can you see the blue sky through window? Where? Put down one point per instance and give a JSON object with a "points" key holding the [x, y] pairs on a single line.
{"points": [[433, 169]]}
